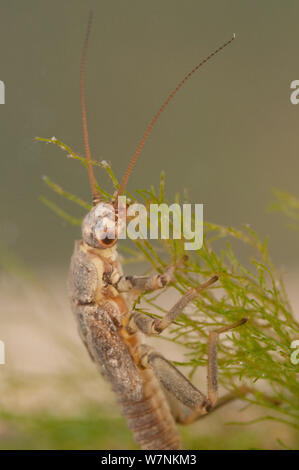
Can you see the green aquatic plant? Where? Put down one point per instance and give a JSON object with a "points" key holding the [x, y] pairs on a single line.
{"points": [[259, 353], [288, 205]]}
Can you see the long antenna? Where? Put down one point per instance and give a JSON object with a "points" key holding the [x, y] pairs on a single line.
{"points": [[160, 111], [92, 180]]}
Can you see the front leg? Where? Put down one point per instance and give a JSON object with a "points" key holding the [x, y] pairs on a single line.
{"points": [[148, 283]]}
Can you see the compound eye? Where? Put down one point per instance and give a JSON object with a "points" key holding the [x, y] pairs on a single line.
{"points": [[107, 242], [105, 229]]}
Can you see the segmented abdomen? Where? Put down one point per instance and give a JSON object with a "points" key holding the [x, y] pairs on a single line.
{"points": [[150, 418]]}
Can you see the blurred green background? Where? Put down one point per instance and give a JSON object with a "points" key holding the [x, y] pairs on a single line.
{"points": [[228, 138]]}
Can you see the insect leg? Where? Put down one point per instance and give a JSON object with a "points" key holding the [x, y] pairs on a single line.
{"points": [[179, 386], [148, 283], [145, 283], [154, 326], [185, 416], [174, 381], [212, 359]]}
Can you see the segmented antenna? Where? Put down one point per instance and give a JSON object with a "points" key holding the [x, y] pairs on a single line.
{"points": [[160, 111], [92, 180]]}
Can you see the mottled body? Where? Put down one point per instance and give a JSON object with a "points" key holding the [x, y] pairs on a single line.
{"points": [[102, 300], [102, 314]]}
